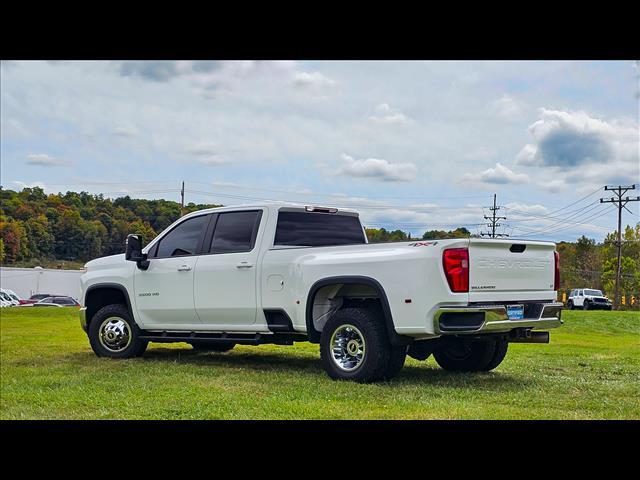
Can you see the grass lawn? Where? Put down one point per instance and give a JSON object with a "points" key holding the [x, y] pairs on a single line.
{"points": [[590, 370]]}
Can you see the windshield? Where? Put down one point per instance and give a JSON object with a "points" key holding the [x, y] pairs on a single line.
{"points": [[593, 293]]}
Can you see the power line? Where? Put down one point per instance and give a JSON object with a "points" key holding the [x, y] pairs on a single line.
{"points": [[566, 206], [620, 203], [561, 228], [557, 218]]}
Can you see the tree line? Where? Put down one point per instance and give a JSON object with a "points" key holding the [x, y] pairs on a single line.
{"points": [[77, 226], [39, 227]]}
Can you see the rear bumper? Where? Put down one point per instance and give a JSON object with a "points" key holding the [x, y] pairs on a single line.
{"points": [[82, 315], [493, 318]]}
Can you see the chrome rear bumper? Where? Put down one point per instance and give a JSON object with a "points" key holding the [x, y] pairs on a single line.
{"points": [[493, 318]]}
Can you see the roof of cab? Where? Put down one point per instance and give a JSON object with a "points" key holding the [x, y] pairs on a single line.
{"points": [[270, 205]]}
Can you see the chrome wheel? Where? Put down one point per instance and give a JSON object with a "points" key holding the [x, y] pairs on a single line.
{"points": [[115, 334], [347, 347]]}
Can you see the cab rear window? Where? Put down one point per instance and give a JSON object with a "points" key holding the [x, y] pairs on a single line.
{"points": [[307, 229]]}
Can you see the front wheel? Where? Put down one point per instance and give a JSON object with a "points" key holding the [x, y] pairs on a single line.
{"points": [[570, 305], [114, 334], [354, 346], [585, 306], [462, 355]]}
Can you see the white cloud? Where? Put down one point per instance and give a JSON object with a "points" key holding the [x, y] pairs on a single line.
{"points": [[312, 80], [44, 160], [384, 114], [377, 169], [572, 139], [212, 76], [499, 175], [508, 107], [576, 148], [527, 156]]}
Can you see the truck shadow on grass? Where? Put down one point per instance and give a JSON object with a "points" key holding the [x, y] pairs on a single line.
{"points": [[311, 366]]}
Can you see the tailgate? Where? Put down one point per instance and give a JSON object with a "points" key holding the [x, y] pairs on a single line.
{"points": [[511, 270]]}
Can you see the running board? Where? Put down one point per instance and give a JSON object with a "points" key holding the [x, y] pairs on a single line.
{"points": [[239, 338]]}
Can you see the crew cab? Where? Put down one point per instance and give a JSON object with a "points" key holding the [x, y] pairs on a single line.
{"points": [[285, 273], [588, 299]]}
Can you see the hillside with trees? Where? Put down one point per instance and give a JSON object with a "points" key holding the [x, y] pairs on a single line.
{"points": [[76, 226], [39, 228]]}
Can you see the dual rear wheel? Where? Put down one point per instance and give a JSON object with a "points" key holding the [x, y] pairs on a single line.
{"points": [[355, 346]]}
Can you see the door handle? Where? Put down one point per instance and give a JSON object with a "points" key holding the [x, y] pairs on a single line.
{"points": [[184, 268], [244, 265]]}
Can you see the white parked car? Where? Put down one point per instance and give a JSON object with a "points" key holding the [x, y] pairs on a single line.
{"points": [[8, 300], [282, 273], [15, 300], [588, 299]]}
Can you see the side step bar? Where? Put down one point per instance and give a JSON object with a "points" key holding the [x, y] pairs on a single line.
{"points": [[240, 338]]}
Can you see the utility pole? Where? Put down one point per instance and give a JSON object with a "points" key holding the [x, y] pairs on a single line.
{"points": [[620, 202], [494, 221], [182, 199]]}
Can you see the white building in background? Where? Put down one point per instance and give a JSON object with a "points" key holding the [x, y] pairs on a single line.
{"points": [[29, 281]]}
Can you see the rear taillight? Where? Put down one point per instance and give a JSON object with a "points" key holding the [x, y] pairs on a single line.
{"points": [[456, 268], [556, 276]]}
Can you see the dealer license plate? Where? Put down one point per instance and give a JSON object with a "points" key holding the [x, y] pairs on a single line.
{"points": [[515, 312]]}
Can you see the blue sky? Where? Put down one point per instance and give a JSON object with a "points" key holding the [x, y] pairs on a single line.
{"points": [[412, 145]]}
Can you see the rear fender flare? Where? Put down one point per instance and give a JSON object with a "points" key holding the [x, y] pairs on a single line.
{"points": [[314, 335]]}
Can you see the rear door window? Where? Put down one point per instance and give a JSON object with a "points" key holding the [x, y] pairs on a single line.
{"points": [[235, 232]]}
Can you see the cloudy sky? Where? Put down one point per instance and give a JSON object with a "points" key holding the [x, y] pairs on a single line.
{"points": [[412, 145]]}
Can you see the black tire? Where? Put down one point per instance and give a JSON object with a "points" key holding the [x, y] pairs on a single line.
{"points": [[135, 346], [460, 355], [378, 361], [396, 362], [500, 352], [212, 346], [570, 305], [585, 305], [421, 349]]}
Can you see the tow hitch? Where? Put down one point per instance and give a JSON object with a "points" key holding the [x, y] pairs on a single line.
{"points": [[525, 335]]}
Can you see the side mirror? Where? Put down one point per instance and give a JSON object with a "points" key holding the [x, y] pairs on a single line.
{"points": [[134, 253]]}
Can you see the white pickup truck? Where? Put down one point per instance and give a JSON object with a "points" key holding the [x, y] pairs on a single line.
{"points": [[281, 273]]}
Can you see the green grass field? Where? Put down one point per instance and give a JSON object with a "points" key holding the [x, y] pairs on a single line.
{"points": [[590, 370]]}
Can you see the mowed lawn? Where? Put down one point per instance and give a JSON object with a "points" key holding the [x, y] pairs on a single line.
{"points": [[590, 370]]}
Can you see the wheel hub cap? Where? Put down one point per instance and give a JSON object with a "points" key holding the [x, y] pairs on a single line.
{"points": [[115, 334], [347, 347]]}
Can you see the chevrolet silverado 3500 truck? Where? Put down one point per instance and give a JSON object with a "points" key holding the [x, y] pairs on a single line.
{"points": [[281, 273]]}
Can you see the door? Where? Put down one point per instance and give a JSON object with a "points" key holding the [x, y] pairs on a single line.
{"points": [[579, 300], [225, 277], [164, 292]]}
